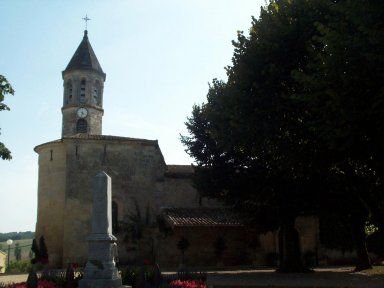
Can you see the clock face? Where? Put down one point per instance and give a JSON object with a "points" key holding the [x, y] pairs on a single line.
{"points": [[82, 112]]}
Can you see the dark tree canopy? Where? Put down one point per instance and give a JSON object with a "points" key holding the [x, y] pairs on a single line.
{"points": [[297, 127], [5, 88]]}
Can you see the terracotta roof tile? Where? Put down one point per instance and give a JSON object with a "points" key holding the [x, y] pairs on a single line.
{"points": [[196, 217]]}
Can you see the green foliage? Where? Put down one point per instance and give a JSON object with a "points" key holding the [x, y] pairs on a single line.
{"points": [[375, 243], [40, 251], [370, 229], [136, 222], [129, 275], [298, 127], [5, 88], [250, 140], [22, 266], [32, 281], [17, 252], [16, 235]]}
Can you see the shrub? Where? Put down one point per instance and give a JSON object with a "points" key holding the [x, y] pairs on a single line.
{"points": [[22, 266], [130, 274]]}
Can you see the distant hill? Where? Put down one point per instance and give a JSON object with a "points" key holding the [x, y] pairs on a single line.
{"points": [[17, 235]]}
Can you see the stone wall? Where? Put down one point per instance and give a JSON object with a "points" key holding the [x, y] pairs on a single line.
{"points": [[245, 245], [71, 105], [137, 169], [3, 258], [140, 180], [51, 198], [201, 252]]}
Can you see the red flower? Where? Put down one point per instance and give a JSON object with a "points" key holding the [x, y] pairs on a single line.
{"points": [[187, 284], [146, 262]]}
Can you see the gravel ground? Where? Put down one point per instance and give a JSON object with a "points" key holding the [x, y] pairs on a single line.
{"points": [[324, 277], [16, 278]]}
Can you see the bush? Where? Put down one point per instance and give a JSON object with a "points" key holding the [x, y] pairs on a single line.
{"points": [[375, 243], [130, 274], [22, 266]]}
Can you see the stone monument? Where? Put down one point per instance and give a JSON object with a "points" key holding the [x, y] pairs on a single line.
{"points": [[100, 270]]}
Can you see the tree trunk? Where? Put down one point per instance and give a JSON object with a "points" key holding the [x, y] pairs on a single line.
{"points": [[363, 261], [289, 248]]}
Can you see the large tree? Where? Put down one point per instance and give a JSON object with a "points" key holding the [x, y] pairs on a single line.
{"points": [[343, 84], [250, 140], [5, 88], [298, 126]]}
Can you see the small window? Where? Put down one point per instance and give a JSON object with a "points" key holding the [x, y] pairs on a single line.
{"points": [[96, 93], [69, 91], [82, 126], [82, 91]]}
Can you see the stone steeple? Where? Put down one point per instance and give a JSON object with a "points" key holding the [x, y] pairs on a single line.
{"points": [[84, 58], [83, 92]]}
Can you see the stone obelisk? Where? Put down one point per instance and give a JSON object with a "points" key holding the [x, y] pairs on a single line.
{"points": [[100, 271]]}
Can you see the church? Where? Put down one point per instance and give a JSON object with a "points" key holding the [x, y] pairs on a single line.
{"points": [[154, 205]]}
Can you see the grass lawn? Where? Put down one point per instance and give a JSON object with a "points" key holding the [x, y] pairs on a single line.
{"points": [[25, 245]]}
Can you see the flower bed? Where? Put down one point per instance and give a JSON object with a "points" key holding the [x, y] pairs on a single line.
{"points": [[41, 284], [187, 284]]}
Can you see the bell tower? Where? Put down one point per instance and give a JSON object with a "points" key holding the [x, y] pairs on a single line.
{"points": [[83, 92]]}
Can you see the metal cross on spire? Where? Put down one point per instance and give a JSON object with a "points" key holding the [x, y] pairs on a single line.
{"points": [[86, 19]]}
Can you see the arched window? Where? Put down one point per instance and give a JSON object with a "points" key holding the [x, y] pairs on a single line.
{"points": [[82, 91], [69, 91], [115, 218], [96, 93], [82, 126]]}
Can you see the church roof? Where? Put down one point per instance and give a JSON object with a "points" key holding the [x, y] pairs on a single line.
{"points": [[200, 217], [84, 58], [83, 136], [110, 137]]}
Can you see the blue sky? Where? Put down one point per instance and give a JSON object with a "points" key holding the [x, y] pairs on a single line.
{"points": [[159, 57]]}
